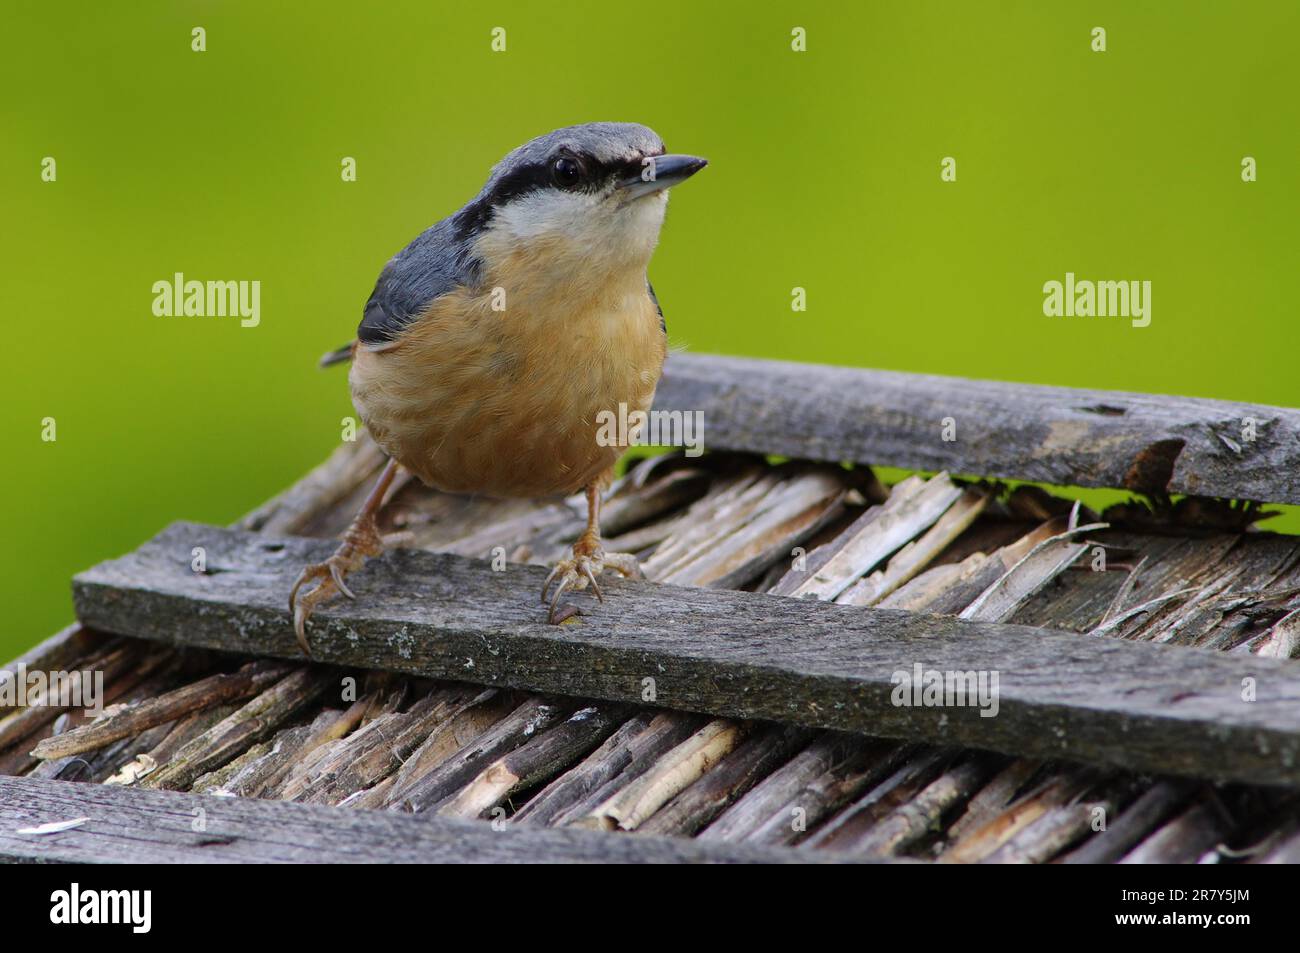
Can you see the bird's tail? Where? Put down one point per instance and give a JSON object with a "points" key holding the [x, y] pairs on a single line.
{"points": [[339, 356]]}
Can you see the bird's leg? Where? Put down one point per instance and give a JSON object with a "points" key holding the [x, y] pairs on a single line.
{"points": [[589, 559], [361, 541]]}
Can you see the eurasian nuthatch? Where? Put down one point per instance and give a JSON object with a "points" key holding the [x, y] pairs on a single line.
{"points": [[493, 341]]}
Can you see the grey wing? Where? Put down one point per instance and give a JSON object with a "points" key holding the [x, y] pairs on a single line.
{"points": [[663, 324], [436, 263]]}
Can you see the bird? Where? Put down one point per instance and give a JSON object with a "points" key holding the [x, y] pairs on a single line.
{"points": [[493, 343]]}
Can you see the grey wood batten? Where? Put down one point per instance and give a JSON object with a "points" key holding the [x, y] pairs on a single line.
{"points": [[125, 825], [1065, 436], [1142, 706]]}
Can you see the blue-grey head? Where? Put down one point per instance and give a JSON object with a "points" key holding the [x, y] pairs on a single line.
{"points": [[596, 189], [577, 208]]}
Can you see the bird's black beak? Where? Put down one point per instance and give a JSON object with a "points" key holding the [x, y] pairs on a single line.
{"points": [[658, 173]]}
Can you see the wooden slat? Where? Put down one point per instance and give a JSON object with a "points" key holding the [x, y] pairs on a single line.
{"points": [[732, 654], [135, 826], [1057, 435]]}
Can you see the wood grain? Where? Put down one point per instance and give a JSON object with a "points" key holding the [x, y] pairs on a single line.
{"points": [[1060, 435], [135, 826], [730, 654]]}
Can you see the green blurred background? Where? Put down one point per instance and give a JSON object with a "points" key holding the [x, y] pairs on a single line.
{"points": [[825, 174]]}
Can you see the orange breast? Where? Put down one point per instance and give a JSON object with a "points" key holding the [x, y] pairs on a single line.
{"points": [[508, 403]]}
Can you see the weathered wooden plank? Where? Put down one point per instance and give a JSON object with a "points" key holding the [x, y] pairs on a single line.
{"points": [[1060, 435], [138, 826], [731, 654]]}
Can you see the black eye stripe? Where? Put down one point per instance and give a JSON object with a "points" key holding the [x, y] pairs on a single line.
{"points": [[521, 181], [539, 175]]}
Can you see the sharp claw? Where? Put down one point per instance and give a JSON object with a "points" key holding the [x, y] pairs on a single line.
{"points": [[560, 590], [337, 575], [565, 582], [547, 584], [300, 630], [293, 593], [584, 567], [360, 541], [595, 587]]}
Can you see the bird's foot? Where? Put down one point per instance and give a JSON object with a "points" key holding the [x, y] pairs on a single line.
{"points": [[589, 561], [361, 541]]}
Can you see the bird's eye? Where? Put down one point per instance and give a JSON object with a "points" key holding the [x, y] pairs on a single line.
{"points": [[566, 172]]}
